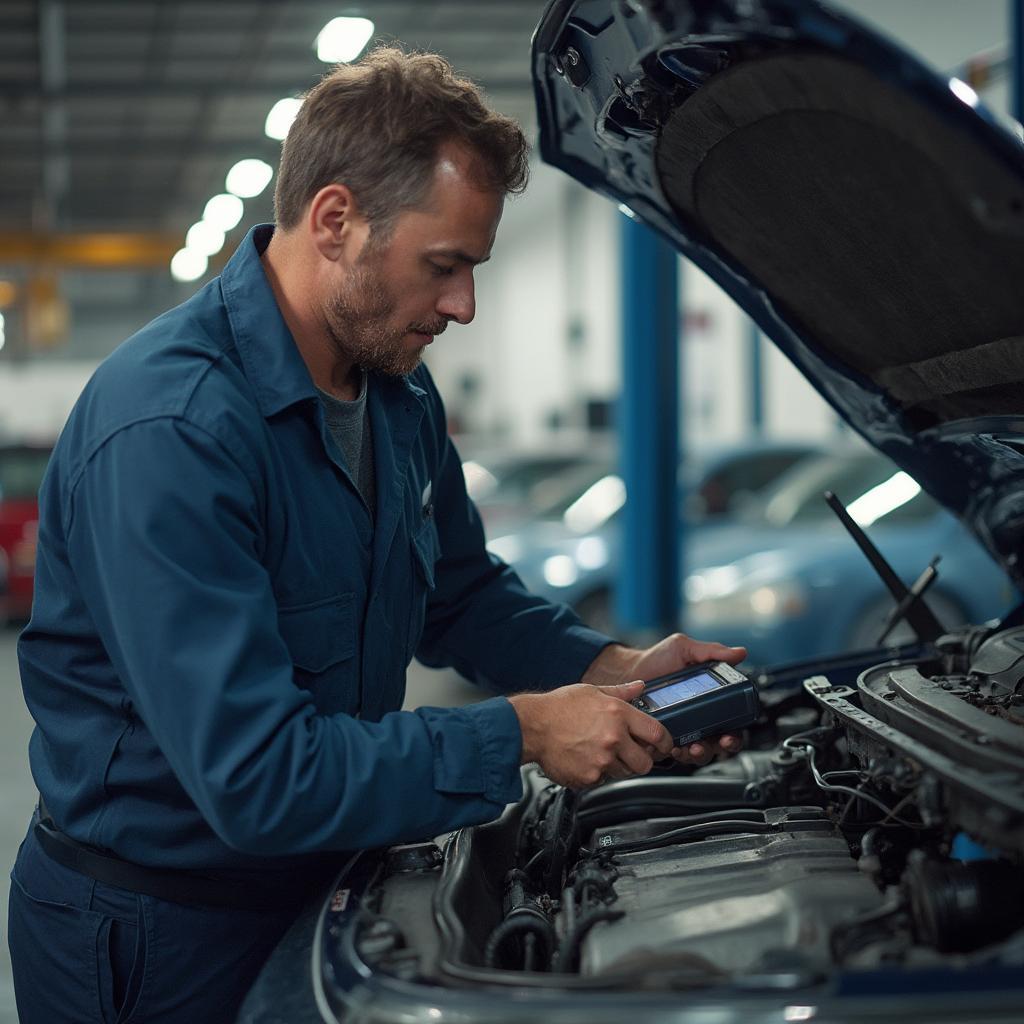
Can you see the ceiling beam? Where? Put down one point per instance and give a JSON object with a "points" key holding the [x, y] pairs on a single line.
{"points": [[203, 88], [95, 251]]}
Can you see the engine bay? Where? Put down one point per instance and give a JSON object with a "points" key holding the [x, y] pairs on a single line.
{"points": [[874, 822]]}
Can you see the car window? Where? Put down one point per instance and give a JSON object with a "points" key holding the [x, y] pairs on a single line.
{"points": [[744, 474], [872, 488], [21, 472]]}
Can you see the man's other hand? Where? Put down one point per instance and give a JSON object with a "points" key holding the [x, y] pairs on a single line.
{"points": [[616, 663], [581, 734]]}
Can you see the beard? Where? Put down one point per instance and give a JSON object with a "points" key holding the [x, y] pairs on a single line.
{"points": [[358, 320]]}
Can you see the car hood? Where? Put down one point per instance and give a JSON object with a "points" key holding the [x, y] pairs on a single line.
{"points": [[866, 212]]}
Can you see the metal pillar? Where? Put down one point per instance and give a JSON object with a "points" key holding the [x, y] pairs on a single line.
{"points": [[1017, 58], [648, 591], [756, 363]]}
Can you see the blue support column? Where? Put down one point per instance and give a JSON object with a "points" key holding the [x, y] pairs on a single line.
{"points": [[756, 364], [1017, 58], [648, 591]]}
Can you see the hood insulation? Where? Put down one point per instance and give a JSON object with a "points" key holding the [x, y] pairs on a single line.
{"points": [[871, 221]]}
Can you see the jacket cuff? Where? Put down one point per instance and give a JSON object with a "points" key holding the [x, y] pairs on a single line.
{"points": [[477, 749]]}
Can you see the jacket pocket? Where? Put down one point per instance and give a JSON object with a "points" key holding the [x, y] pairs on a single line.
{"points": [[320, 634], [426, 551]]}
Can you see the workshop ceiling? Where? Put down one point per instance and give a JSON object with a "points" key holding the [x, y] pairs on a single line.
{"points": [[125, 116]]}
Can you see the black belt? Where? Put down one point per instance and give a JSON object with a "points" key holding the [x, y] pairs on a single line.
{"points": [[185, 887]]}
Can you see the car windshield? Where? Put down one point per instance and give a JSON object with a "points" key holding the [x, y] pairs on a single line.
{"points": [[21, 472], [872, 488]]}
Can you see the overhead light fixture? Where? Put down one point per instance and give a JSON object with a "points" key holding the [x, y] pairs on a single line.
{"points": [[224, 211], [3, 335], [343, 39], [188, 265], [205, 238], [280, 118], [248, 178]]}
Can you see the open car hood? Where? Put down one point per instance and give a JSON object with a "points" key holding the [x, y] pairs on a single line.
{"points": [[866, 212]]}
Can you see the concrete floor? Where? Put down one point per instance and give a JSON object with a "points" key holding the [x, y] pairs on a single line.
{"points": [[18, 794]]}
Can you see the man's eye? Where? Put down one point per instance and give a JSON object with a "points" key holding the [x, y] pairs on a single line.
{"points": [[442, 271]]}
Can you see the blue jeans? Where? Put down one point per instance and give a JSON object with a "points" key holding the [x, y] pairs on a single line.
{"points": [[84, 951]]}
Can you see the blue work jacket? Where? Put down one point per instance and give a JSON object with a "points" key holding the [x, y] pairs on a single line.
{"points": [[217, 651]]}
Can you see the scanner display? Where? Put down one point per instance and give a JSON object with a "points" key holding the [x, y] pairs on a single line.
{"points": [[682, 690]]}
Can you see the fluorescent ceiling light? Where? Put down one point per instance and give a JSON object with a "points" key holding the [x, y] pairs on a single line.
{"points": [[205, 238], [188, 265], [343, 39], [224, 211], [280, 118], [3, 336], [248, 178]]}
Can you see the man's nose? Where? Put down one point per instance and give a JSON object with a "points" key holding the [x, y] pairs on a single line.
{"points": [[458, 302]]}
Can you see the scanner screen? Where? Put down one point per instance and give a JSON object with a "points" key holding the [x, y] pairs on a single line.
{"points": [[684, 689]]}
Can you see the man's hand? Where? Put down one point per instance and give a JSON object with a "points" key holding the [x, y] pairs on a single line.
{"points": [[617, 663], [581, 734]]}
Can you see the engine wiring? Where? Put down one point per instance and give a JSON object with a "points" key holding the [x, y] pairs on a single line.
{"points": [[809, 749]]}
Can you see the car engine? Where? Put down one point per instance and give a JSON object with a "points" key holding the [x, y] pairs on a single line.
{"points": [[874, 821]]}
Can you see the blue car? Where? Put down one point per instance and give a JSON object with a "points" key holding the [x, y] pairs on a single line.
{"points": [[789, 582], [781, 576], [570, 551]]}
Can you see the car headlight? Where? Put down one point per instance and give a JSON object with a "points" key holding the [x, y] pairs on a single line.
{"points": [[717, 598], [560, 571]]}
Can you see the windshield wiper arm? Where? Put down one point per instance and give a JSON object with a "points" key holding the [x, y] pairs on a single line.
{"points": [[909, 605]]}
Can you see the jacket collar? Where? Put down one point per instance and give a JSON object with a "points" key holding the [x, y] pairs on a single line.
{"points": [[270, 357]]}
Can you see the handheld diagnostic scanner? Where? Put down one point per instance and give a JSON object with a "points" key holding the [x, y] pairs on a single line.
{"points": [[701, 700]]}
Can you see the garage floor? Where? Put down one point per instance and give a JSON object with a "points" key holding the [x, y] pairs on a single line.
{"points": [[18, 795]]}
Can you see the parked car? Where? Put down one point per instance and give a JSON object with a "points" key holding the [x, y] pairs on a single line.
{"points": [[788, 581], [510, 487], [571, 551], [22, 466], [782, 577], [862, 859]]}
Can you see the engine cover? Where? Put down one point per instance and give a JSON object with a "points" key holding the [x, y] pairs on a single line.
{"points": [[731, 903]]}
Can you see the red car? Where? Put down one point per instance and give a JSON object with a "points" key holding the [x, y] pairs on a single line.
{"points": [[21, 472]]}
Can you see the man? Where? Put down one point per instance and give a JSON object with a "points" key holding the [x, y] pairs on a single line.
{"points": [[253, 520]]}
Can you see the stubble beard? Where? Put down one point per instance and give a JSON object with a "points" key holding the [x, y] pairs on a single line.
{"points": [[358, 322]]}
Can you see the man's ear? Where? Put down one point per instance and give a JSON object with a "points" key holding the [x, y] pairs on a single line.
{"points": [[337, 228]]}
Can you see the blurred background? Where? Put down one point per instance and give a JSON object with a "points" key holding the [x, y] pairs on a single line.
{"points": [[139, 144]]}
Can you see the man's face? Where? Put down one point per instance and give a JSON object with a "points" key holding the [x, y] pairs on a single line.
{"points": [[404, 289]]}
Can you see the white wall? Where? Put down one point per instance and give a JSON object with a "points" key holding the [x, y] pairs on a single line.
{"points": [[35, 398], [544, 275]]}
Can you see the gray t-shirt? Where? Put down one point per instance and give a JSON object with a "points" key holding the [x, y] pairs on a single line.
{"points": [[349, 424]]}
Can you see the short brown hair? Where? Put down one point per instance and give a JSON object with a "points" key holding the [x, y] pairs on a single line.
{"points": [[376, 127]]}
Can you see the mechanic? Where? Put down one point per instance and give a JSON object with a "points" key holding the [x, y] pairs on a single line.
{"points": [[252, 521]]}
